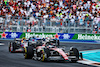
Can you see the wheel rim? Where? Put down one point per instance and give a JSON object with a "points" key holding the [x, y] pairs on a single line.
{"points": [[35, 56], [42, 55], [25, 54]]}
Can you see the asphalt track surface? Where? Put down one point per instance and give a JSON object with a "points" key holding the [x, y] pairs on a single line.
{"points": [[17, 59]]}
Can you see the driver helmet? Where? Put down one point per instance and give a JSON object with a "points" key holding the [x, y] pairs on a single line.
{"points": [[71, 48]]}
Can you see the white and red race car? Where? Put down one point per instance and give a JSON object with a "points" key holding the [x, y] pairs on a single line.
{"points": [[47, 51]]}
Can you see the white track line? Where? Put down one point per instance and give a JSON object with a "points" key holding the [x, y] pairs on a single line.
{"points": [[88, 62]]}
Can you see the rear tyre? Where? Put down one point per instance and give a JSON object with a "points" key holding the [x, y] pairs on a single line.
{"points": [[28, 52], [12, 47], [75, 52]]}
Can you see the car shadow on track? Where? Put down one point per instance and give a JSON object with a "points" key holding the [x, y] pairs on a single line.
{"points": [[59, 62]]}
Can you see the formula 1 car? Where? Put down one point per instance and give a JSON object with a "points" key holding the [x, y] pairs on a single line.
{"points": [[50, 50], [17, 46]]}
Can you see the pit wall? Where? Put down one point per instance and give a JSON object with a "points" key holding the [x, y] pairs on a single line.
{"points": [[63, 37]]}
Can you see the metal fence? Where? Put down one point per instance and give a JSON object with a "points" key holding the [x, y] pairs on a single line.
{"points": [[22, 24]]}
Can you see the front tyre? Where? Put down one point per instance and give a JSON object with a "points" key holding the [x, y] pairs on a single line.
{"points": [[28, 52], [74, 52], [45, 53]]}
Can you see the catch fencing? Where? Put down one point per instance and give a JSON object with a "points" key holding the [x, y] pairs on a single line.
{"points": [[48, 25]]}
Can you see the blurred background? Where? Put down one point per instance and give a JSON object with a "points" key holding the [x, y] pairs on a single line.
{"points": [[55, 16]]}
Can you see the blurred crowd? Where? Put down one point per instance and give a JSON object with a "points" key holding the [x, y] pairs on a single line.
{"points": [[79, 12]]}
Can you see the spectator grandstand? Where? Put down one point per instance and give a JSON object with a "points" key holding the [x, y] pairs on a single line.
{"points": [[68, 16]]}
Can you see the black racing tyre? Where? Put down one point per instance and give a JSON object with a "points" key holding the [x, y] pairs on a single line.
{"points": [[45, 53], [14, 45], [58, 43], [9, 47], [75, 53], [29, 52]]}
